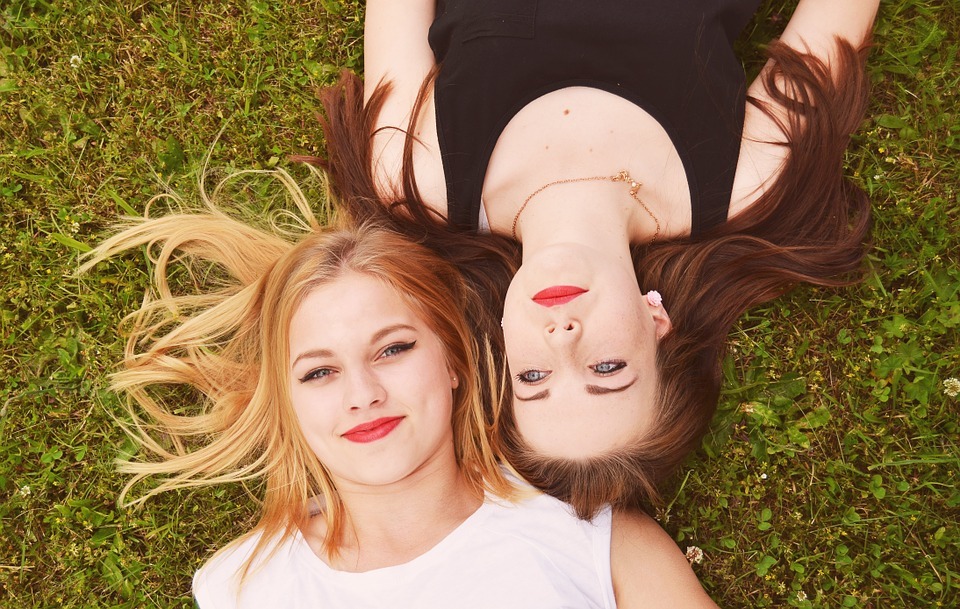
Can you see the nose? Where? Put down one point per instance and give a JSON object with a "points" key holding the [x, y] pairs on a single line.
{"points": [[363, 390], [563, 330]]}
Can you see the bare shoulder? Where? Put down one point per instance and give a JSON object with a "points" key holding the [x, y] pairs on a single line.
{"points": [[649, 570]]}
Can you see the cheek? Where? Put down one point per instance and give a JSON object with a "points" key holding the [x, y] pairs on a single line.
{"points": [[435, 391], [432, 389], [313, 418], [521, 347], [514, 321]]}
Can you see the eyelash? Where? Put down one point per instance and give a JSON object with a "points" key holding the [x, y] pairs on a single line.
{"points": [[398, 348], [520, 376], [391, 351], [315, 374], [618, 365]]}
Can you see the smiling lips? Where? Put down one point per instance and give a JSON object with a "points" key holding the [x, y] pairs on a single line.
{"points": [[372, 430], [557, 295]]}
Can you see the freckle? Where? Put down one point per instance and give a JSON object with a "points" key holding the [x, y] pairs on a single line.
{"points": [[566, 112]]}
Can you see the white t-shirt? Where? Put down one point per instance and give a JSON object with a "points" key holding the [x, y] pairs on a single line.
{"points": [[531, 555]]}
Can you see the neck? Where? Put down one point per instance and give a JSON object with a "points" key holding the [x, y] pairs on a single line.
{"points": [[393, 524], [600, 215]]}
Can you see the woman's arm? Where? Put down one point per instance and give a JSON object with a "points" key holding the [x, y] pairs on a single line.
{"points": [[649, 570], [813, 29], [395, 47], [396, 52], [816, 23]]}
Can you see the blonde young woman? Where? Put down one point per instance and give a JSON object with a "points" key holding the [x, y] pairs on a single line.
{"points": [[337, 366], [654, 205]]}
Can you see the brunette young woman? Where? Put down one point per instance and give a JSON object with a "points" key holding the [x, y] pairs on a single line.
{"points": [[337, 366], [614, 142]]}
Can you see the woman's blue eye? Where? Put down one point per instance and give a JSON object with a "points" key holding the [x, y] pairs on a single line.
{"points": [[532, 376], [604, 368], [315, 374], [397, 349]]}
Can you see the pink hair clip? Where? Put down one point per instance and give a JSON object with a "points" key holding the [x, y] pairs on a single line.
{"points": [[654, 298]]}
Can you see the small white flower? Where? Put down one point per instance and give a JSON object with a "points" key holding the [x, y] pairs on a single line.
{"points": [[951, 387], [75, 61], [801, 596], [763, 476], [24, 491], [694, 555]]}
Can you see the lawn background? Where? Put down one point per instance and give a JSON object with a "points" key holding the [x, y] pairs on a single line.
{"points": [[829, 480]]}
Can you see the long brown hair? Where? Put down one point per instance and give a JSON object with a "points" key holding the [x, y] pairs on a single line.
{"points": [[810, 226]]}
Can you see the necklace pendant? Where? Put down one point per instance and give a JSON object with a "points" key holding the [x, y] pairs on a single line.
{"points": [[621, 176]]}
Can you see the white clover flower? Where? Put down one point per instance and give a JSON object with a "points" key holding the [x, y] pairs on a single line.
{"points": [[75, 61], [694, 555], [951, 387]]}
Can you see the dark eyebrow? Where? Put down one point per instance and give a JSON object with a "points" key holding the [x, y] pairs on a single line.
{"points": [[536, 396], [320, 353], [598, 390]]}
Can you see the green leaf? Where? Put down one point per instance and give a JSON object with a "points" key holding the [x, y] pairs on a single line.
{"points": [[798, 437], [792, 386], [851, 517], [815, 419], [172, 158], [891, 122], [70, 242], [764, 565], [123, 205]]}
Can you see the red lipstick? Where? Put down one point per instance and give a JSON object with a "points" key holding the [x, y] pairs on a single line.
{"points": [[372, 430], [557, 295]]}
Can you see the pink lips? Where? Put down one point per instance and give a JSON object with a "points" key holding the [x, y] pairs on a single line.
{"points": [[557, 295], [372, 430]]}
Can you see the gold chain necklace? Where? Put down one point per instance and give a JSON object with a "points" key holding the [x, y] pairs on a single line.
{"points": [[621, 176]]}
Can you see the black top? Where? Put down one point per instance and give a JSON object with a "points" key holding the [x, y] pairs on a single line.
{"points": [[674, 59]]}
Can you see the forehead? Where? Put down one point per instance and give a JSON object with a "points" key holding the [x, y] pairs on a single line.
{"points": [[572, 423], [351, 290], [353, 303]]}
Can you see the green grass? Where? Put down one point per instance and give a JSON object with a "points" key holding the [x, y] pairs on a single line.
{"points": [[832, 466]]}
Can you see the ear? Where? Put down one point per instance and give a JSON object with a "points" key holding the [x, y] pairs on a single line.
{"points": [[661, 320]]}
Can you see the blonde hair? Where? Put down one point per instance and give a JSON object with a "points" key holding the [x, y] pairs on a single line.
{"points": [[228, 341]]}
